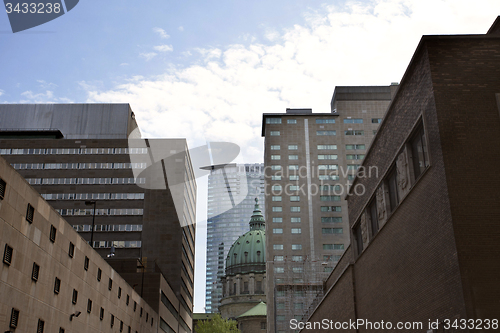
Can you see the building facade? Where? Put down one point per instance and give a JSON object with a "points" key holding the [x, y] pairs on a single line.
{"points": [[232, 189], [310, 161], [424, 245], [130, 197]]}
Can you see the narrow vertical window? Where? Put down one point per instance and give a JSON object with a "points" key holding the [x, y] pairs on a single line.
{"points": [[419, 152], [3, 185], [89, 306], [99, 274], [53, 232], [110, 284], [359, 238], [392, 181], [101, 314], [35, 272], [374, 216], [14, 318], [40, 326], [71, 250], [86, 263], [57, 286], [74, 298], [30, 212], [7, 255]]}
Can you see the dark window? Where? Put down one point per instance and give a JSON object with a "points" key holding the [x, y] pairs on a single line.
{"points": [[140, 315], [147, 317], [245, 286], [7, 255], [30, 212], [35, 272], [258, 287], [57, 286], [374, 216], [89, 306], [135, 305], [359, 238], [53, 232], [86, 263], [121, 325], [419, 152], [71, 250], [101, 314], [14, 318], [74, 298], [110, 284], [2, 188], [112, 320], [119, 292], [152, 321], [99, 273], [376, 120], [234, 289], [129, 329], [128, 300], [40, 326], [392, 181], [263, 325], [61, 330]]}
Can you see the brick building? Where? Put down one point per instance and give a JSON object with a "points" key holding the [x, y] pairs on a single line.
{"points": [[424, 231]]}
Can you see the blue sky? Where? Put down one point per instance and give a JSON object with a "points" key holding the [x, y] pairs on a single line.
{"points": [[207, 70]]}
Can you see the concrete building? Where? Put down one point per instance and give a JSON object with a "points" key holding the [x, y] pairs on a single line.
{"points": [[90, 163], [232, 189], [244, 283], [425, 229], [310, 160]]}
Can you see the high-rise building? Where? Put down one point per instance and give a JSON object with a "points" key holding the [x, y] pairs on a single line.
{"points": [[129, 197], [310, 160], [232, 189]]}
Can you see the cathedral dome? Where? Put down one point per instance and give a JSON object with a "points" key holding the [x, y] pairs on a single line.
{"points": [[248, 252]]}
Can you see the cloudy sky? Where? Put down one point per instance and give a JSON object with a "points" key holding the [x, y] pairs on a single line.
{"points": [[207, 70]]}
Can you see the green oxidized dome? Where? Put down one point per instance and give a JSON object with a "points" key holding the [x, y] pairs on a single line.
{"points": [[248, 253]]}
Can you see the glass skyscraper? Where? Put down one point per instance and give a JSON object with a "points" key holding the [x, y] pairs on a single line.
{"points": [[232, 190]]}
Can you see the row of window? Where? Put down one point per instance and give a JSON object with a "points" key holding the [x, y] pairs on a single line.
{"points": [[100, 211], [108, 227], [59, 166], [95, 196], [348, 120], [118, 244], [299, 230], [329, 219], [328, 132], [84, 181], [322, 157], [73, 151]]}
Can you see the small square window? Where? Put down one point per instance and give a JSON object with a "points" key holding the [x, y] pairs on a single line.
{"points": [[40, 326], [35, 272], [57, 286], [86, 263], [110, 284], [53, 232], [101, 314], [2, 188], [71, 250], [89, 306], [14, 318], [30, 212], [99, 274], [7, 255], [119, 292], [74, 298]]}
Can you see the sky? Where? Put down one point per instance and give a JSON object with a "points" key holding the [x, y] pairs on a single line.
{"points": [[207, 70]]}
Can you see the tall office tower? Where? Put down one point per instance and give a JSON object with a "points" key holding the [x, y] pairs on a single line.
{"points": [[90, 163], [310, 160], [232, 190]]}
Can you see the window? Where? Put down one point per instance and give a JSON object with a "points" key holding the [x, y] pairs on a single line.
{"points": [[376, 120], [135, 306], [74, 298], [333, 246], [293, 147], [112, 322], [325, 132], [40, 326], [57, 286], [295, 219], [328, 177], [275, 133], [293, 167], [277, 209], [121, 325], [354, 132], [99, 274], [293, 187], [293, 157], [291, 121], [119, 292], [296, 230], [30, 212], [89, 306], [354, 147], [275, 147], [14, 318], [273, 120], [278, 258], [353, 121], [263, 325], [329, 197], [294, 177], [295, 209], [296, 246], [110, 284], [3, 185], [327, 157], [127, 301], [358, 237], [353, 167], [277, 231], [276, 188], [325, 121], [279, 270], [372, 208], [275, 167], [280, 293], [277, 246], [276, 198], [276, 177], [275, 157], [331, 230], [419, 152], [86, 263], [354, 156], [277, 219], [331, 219], [328, 167], [35, 272], [298, 306], [294, 198], [7, 254], [101, 314], [331, 208], [71, 250], [392, 181], [296, 258], [52, 235], [327, 147]]}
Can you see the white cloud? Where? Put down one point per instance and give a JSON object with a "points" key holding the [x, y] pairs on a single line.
{"points": [[2, 92], [162, 33], [148, 55], [43, 97], [124, 64], [272, 35], [164, 48], [181, 28], [46, 85]]}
